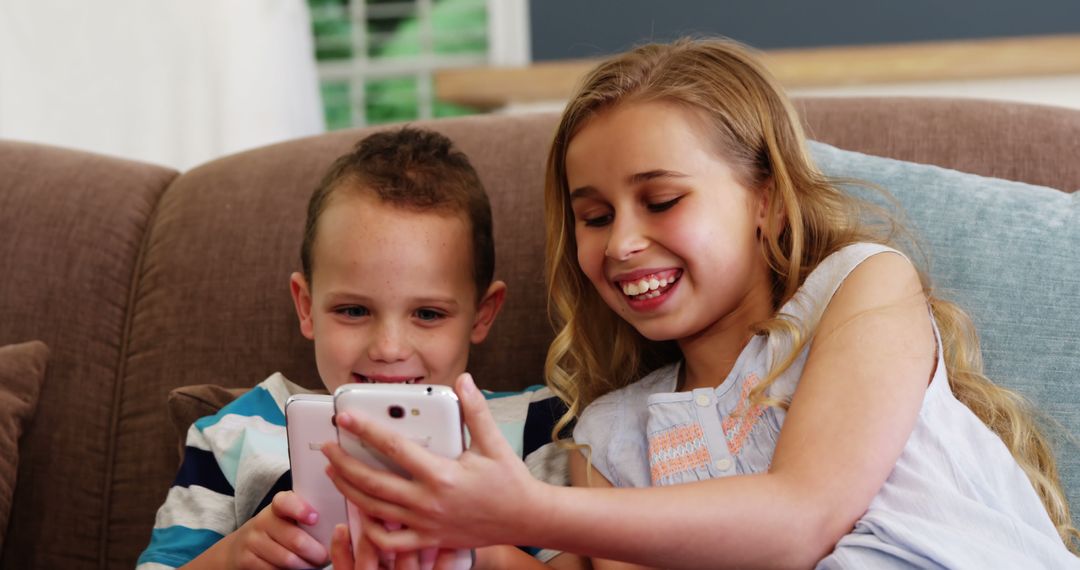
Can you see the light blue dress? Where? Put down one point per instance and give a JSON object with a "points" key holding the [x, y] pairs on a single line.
{"points": [[956, 498]]}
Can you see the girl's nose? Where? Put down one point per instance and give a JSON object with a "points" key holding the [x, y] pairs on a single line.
{"points": [[625, 239], [389, 345]]}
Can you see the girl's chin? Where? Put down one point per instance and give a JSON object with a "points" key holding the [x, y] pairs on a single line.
{"points": [[657, 331]]}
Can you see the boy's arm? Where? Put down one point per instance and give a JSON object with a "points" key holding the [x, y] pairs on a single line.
{"points": [[197, 513]]}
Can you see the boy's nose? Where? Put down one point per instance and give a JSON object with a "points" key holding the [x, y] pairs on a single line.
{"points": [[625, 240], [389, 345]]}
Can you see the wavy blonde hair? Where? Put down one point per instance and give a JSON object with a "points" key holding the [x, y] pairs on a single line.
{"points": [[756, 130]]}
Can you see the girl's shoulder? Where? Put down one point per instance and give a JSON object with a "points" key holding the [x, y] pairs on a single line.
{"points": [[819, 287]]}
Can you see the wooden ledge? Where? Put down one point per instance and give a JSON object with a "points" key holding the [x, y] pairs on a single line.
{"points": [[493, 87]]}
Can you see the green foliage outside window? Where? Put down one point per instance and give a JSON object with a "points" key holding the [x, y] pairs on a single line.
{"points": [[457, 27]]}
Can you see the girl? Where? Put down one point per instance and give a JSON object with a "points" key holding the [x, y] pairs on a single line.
{"points": [[773, 383]]}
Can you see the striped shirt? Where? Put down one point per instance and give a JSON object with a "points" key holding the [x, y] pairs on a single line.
{"points": [[236, 461]]}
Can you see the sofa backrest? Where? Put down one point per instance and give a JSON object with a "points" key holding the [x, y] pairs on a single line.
{"points": [[141, 282], [73, 226]]}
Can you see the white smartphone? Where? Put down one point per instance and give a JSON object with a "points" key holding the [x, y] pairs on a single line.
{"points": [[427, 414], [309, 424]]}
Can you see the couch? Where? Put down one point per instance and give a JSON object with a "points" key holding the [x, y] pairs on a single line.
{"points": [[140, 280]]}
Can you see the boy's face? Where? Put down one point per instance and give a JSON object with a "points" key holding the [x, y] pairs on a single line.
{"points": [[392, 297]]}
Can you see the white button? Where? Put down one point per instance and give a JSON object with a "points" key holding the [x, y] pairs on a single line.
{"points": [[723, 464], [702, 400]]}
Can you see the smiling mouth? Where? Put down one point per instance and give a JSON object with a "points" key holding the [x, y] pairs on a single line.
{"points": [[649, 286], [380, 379]]}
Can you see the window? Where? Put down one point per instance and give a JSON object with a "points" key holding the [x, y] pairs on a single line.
{"points": [[377, 58]]}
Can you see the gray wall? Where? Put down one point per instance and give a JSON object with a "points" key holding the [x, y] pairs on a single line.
{"points": [[565, 29]]}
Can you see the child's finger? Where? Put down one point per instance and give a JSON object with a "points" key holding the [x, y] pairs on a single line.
{"points": [[367, 554], [407, 454], [276, 555], [402, 540], [302, 550], [353, 492], [407, 561], [483, 430], [448, 559], [341, 555], [363, 477], [289, 505]]}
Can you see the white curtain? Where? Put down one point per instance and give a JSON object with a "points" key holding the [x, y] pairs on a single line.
{"points": [[172, 82]]}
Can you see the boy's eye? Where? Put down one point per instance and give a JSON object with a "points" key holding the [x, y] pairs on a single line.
{"points": [[353, 312], [662, 206], [429, 314]]}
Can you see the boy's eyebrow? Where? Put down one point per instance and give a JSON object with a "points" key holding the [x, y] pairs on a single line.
{"points": [[448, 301], [632, 180], [347, 297]]}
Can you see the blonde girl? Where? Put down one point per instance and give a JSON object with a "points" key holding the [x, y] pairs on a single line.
{"points": [[758, 377]]}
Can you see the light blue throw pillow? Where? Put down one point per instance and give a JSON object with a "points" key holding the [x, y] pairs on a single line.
{"points": [[1009, 254]]}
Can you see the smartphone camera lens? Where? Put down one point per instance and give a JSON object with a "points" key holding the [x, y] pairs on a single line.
{"points": [[396, 412]]}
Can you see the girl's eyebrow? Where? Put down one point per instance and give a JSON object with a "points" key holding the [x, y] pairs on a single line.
{"points": [[632, 180], [654, 174]]}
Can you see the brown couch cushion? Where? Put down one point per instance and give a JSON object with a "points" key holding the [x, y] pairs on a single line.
{"points": [[189, 403], [74, 224], [1000, 139], [22, 370]]}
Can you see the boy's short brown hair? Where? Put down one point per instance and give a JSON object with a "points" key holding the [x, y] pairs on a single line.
{"points": [[414, 169]]}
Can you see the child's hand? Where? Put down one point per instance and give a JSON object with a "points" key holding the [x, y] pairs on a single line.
{"points": [[366, 555], [473, 501], [272, 538]]}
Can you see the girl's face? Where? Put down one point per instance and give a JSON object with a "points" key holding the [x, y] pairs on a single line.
{"points": [[664, 230]]}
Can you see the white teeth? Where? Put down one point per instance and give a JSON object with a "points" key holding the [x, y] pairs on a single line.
{"points": [[647, 286]]}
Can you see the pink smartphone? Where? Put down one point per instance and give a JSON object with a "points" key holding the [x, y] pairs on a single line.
{"points": [[428, 415], [309, 424]]}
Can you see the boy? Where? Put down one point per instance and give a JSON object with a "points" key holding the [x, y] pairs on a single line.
{"points": [[396, 283]]}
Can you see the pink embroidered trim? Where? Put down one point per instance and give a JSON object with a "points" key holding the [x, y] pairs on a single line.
{"points": [[677, 450], [738, 425]]}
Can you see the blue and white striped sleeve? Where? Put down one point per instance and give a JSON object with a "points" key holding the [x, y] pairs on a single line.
{"points": [[198, 511], [234, 463]]}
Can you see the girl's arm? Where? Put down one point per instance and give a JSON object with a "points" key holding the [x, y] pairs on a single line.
{"points": [[582, 474], [861, 389]]}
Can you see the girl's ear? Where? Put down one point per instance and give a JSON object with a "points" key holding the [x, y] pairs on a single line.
{"points": [[301, 295], [761, 205], [763, 210], [486, 311]]}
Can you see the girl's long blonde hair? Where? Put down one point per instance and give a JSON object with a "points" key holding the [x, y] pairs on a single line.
{"points": [[757, 131]]}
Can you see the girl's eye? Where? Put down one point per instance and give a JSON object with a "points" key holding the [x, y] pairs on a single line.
{"points": [[598, 221], [429, 315], [662, 206], [353, 312]]}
